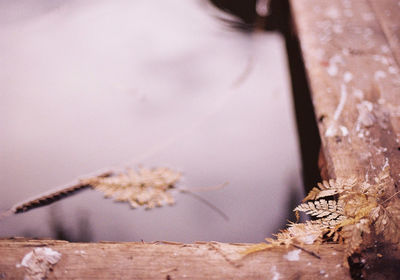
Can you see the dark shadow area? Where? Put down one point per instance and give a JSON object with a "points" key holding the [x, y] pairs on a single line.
{"points": [[61, 232], [279, 19]]}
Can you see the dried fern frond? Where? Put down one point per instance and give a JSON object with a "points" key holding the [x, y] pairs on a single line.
{"points": [[145, 187], [296, 234], [330, 212], [388, 222], [330, 188], [353, 235]]}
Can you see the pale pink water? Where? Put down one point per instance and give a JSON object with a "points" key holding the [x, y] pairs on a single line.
{"points": [[94, 84]]}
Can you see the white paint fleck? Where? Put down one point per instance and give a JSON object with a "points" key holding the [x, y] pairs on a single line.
{"points": [[358, 93], [331, 131], [365, 116], [347, 77], [322, 271], [332, 70], [309, 263], [379, 75], [392, 70], [385, 49], [80, 252], [333, 65], [276, 275], [342, 101], [326, 275], [309, 239], [338, 265], [337, 28], [386, 164], [38, 262], [344, 130], [368, 16], [293, 255], [332, 12], [334, 253]]}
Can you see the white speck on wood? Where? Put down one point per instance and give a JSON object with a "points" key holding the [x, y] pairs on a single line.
{"points": [[368, 16], [344, 130], [386, 164], [293, 255], [379, 75], [358, 93], [332, 13], [337, 28], [392, 70], [342, 101], [38, 262], [385, 49], [333, 62], [276, 274], [332, 70], [365, 115], [347, 77]]}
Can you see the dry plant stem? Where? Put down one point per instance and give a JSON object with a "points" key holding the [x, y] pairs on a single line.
{"points": [[204, 189], [66, 191], [213, 207], [307, 251], [48, 197]]}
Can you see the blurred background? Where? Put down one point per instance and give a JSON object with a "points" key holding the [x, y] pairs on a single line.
{"points": [[199, 86]]}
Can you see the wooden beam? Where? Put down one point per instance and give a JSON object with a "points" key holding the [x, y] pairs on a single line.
{"points": [[355, 83], [206, 260], [351, 51]]}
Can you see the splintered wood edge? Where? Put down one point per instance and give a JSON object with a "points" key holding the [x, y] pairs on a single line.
{"points": [[170, 260]]}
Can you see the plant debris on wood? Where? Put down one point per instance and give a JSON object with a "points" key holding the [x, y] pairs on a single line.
{"points": [[345, 211]]}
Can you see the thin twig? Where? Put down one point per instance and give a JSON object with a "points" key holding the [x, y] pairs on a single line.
{"points": [[307, 251], [204, 189], [212, 206], [386, 200]]}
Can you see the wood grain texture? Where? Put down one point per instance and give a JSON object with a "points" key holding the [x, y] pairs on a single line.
{"points": [[388, 13], [355, 84], [208, 260], [351, 53]]}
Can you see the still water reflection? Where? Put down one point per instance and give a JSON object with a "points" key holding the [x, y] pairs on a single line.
{"points": [[93, 84]]}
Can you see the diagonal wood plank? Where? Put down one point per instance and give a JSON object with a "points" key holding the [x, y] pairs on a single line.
{"points": [[350, 50], [388, 14], [355, 85]]}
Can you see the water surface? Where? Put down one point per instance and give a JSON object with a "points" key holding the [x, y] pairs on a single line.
{"points": [[94, 84]]}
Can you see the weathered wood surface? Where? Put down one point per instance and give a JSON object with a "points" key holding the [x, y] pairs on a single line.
{"points": [[351, 51], [388, 13], [210, 260], [355, 83]]}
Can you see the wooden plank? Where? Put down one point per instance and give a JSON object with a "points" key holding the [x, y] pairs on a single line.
{"points": [[207, 260], [355, 85], [351, 53], [388, 13]]}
